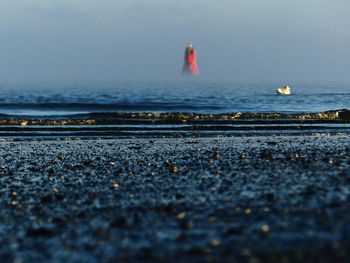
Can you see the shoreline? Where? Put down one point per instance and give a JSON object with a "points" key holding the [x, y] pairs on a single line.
{"points": [[263, 198], [119, 124], [149, 136], [118, 117]]}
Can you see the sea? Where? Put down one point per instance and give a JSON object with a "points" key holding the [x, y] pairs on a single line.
{"points": [[164, 109], [62, 99]]}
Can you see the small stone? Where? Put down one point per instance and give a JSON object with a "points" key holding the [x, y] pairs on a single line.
{"points": [[51, 172], [271, 143], [266, 209], [182, 237], [246, 252], [81, 214], [185, 223], [119, 222], [336, 246], [266, 155], [60, 220], [308, 190], [233, 230], [102, 232], [198, 250], [87, 162], [248, 194], [59, 197], [212, 219], [181, 216], [270, 197], [215, 243], [265, 229], [175, 169], [40, 232], [18, 260], [216, 155], [179, 196], [46, 199], [115, 186]]}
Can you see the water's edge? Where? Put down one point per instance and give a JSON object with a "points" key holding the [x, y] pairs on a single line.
{"points": [[120, 124]]}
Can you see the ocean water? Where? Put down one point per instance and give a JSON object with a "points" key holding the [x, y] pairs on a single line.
{"points": [[191, 97], [169, 109]]}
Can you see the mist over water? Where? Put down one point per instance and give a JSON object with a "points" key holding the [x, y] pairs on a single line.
{"points": [[240, 41]]}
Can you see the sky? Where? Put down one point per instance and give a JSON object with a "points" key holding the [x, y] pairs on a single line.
{"points": [[247, 41]]}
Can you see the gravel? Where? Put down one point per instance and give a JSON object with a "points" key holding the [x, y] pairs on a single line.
{"points": [[227, 199]]}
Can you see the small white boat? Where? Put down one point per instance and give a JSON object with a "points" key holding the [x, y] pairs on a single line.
{"points": [[286, 90]]}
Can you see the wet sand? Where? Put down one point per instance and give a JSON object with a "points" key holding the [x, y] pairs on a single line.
{"points": [[227, 199]]}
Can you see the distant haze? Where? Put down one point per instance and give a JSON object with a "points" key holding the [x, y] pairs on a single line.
{"points": [[140, 40]]}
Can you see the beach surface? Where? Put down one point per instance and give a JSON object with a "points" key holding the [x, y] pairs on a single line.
{"points": [[227, 199]]}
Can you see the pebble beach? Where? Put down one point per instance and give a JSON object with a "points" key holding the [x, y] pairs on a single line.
{"points": [[227, 199]]}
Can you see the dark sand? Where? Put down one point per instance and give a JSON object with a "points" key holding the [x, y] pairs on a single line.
{"points": [[239, 199]]}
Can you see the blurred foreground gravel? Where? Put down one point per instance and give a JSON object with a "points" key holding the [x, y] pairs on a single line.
{"points": [[239, 199]]}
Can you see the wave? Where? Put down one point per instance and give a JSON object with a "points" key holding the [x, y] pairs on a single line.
{"points": [[128, 124], [108, 106]]}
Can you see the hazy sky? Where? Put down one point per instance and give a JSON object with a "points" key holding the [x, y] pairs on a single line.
{"points": [[114, 40]]}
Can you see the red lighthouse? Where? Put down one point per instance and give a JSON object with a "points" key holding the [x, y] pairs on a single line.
{"points": [[190, 66]]}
